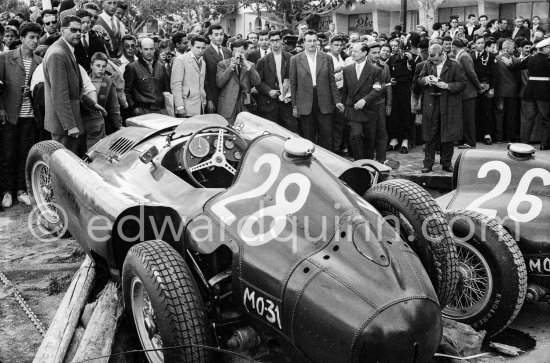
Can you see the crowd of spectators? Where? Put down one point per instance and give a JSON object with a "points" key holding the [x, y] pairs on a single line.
{"points": [[76, 73]]}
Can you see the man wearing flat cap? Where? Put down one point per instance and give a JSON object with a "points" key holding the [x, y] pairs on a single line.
{"points": [[536, 96]]}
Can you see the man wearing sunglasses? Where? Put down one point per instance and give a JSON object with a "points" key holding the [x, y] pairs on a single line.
{"points": [[49, 19], [443, 81], [62, 86]]}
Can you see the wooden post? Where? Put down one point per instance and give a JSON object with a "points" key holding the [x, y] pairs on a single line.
{"points": [[61, 330], [100, 333]]}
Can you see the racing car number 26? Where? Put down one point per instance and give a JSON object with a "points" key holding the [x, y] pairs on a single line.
{"points": [[278, 211], [520, 196]]}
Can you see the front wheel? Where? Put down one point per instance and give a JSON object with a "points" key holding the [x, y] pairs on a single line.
{"points": [[421, 224], [40, 187], [162, 296], [493, 277]]}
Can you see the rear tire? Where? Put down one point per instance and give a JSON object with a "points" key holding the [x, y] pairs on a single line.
{"points": [[40, 188], [416, 210], [161, 295], [493, 275]]}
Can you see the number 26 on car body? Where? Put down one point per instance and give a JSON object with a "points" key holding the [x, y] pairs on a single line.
{"points": [[519, 197]]}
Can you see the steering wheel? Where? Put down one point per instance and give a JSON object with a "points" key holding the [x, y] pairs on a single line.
{"points": [[212, 146]]}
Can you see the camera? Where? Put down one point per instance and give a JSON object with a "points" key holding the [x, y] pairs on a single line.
{"points": [[170, 55]]}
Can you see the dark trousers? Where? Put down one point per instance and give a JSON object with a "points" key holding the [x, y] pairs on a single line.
{"points": [[434, 138], [399, 122], [485, 121], [532, 110], [381, 138], [469, 121], [282, 115], [362, 139], [506, 118], [318, 127], [341, 131], [71, 143], [16, 141]]}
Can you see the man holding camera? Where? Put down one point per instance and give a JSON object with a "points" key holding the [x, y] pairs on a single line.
{"points": [[443, 80], [235, 77]]}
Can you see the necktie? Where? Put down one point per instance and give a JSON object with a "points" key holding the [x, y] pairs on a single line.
{"points": [[113, 26], [84, 41], [220, 52], [198, 63]]}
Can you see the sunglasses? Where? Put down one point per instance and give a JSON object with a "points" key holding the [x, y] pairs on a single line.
{"points": [[51, 23]]}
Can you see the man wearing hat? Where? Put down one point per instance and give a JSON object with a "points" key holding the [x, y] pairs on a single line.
{"points": [[289, 43], [536, 95]]}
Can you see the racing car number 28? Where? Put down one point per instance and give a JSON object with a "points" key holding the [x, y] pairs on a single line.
{"points": [[278, 211], [519, 197]]}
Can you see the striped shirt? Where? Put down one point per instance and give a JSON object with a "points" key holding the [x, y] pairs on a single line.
{"points": [[26, 106]]}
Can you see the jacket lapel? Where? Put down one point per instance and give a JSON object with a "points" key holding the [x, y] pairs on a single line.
{"points": [[272, 65], [319, 60], [194, 64], [18, 58], [353, 84], [446, 66], [305, 63]]}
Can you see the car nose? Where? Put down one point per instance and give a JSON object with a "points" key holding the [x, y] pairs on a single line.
{"points": [[403, 332]]}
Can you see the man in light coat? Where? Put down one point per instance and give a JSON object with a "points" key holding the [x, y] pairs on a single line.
{"points": [[236, 77], [187, 80]]}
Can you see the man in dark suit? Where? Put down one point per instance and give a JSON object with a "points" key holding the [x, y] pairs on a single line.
{"points": [[536, 96], [114, 27], [235, 77], [213, 54], [90, 43], [506, 94], [62, 87], [520, 30], [503, 31], [274, 98], [484, 66], [469, 95], [17, 123], [443, 81], [314, 93], [263, 47], [360, 93]]}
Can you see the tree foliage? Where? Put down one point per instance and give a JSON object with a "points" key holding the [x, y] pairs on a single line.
{"points": [[187, 12]]}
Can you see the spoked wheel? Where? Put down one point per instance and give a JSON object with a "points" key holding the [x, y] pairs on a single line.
{"points": [[42, 190], [144, 318], [475, 283], [40, 187], [493, 276]]}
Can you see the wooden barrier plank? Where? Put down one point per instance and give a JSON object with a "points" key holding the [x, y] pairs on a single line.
{"points": [[61, 330]]}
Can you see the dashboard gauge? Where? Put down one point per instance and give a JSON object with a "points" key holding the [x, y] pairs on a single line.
{"points": [[238, 155], [229, 144], [199, 147]]}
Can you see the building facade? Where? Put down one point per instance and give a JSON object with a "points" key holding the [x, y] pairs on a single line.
{"points": [[383, 15]]}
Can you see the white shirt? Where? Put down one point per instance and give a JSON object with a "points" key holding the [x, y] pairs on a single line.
{"points": [[359, 68], [312, 61], [38, 76], [120, 27], [338, 62], [278, 66], [123, 63], [263, 52], [439, 68]]}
